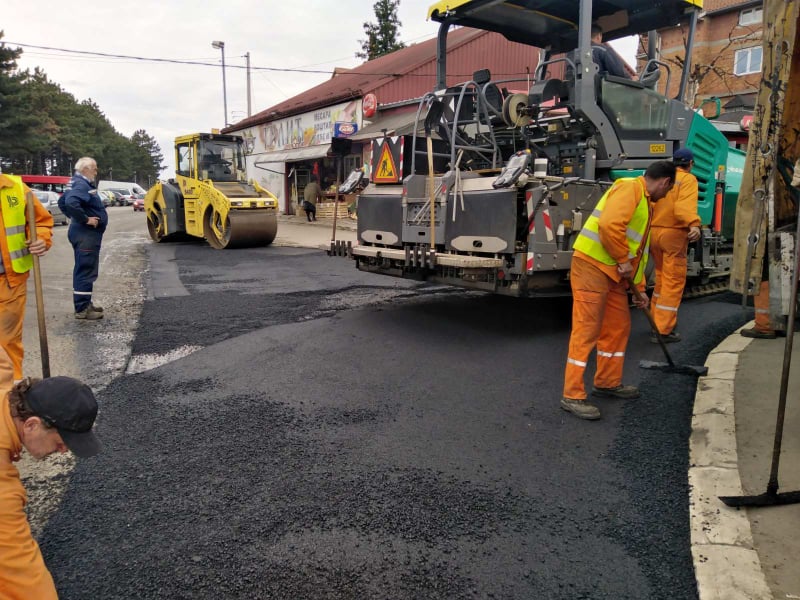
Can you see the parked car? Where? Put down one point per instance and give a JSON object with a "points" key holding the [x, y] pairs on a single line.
{"points": [[107, 197], [113, 196], [50, 201], [124, 197], [138, 203]]}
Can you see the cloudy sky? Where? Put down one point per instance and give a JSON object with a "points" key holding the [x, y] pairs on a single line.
{"points": [[168, 99]]}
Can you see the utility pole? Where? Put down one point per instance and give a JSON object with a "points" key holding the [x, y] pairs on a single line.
{"points": [[221, 47], [249, 100]]}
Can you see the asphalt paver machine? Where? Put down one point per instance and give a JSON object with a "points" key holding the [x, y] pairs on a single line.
{"points": [[496, 181]]}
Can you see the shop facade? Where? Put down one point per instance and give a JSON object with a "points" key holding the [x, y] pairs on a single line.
{"points": [[289, 144]]}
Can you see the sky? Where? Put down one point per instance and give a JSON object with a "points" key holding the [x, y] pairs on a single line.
{"points": [[168, 99]]}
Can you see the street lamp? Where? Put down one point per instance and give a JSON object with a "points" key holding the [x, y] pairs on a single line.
{"points": [[221, 47]]}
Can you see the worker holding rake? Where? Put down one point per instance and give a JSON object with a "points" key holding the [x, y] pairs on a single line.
{"points": [[610, 253]]}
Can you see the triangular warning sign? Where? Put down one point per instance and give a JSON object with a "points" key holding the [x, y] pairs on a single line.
{"points": [[386, 171]]}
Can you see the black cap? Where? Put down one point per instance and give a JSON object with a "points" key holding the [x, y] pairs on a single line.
{"points": [[682, 156], [69, 406]]}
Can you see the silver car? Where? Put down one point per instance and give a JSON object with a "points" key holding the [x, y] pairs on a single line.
{"points": [[50, 201]]}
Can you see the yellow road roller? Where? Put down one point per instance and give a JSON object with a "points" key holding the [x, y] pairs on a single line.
{"points": [[210, 196]]}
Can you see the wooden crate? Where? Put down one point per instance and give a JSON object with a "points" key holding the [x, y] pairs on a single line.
{"points": [[325, 210]]}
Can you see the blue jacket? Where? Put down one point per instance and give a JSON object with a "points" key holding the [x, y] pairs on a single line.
{"points": [[608, 61], [81, 201]]}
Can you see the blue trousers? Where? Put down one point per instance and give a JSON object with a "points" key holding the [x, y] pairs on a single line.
{"points": [[86, 245]]}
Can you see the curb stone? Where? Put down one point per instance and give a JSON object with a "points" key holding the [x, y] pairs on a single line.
{"points": [[726, 564]]}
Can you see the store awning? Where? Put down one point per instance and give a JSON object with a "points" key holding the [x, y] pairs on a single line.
{"points": [[394, 124], [293, 155]]}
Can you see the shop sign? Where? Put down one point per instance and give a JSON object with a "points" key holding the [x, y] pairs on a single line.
{"points": [[307, 129], [341, 129], [369, 105]]}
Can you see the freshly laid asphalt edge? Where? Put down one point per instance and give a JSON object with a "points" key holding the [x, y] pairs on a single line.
{"points": [[726, 564]]}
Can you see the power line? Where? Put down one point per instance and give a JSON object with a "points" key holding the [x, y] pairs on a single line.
{"points": [[200, 63]]}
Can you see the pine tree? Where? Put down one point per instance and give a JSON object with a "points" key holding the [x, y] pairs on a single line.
{"points": [[382, 37]]}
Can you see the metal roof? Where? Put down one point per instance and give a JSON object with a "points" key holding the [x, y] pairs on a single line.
{"points": [[408, 73], [553, 24]]}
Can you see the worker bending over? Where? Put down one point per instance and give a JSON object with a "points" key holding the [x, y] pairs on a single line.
{"points": [[675, 224], [43, 416], [610, 253]]}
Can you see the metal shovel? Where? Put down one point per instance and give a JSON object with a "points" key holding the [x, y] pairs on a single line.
{"points": [[669, 366], [771, 497]]}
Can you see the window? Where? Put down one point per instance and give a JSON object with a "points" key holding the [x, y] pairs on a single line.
{"points": [[751, 16], [185, 159], [747, 61], [636, 112]]}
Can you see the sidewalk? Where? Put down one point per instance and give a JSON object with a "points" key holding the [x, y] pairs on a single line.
{"points": [[343, 224], [747, 554]]}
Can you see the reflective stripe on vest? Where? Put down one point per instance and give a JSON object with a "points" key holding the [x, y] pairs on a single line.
{"points": [[12, 203], [588, 240]]}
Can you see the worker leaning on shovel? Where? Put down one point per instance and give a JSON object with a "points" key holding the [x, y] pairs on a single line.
{"points": [[17, 260], [610, 253]]}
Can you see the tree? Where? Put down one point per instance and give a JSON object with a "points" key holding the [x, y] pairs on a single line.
{"points": [[45, 130], [18, 125], [150, 161], [716, 72], [382, 37]]}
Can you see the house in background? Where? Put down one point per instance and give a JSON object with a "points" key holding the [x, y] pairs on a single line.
{"points": [[290, 142], [726, 65]]}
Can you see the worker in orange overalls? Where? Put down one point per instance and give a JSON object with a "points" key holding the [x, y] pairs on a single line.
{"points": [[44, 416], [675, 224], [609, 254], [16, 250]]}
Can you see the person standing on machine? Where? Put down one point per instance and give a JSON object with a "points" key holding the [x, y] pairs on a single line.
{"points": [[675, 224], [88, 222]]}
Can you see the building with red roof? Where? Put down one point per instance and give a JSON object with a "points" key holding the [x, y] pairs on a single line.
{"points": [[290, 141]]}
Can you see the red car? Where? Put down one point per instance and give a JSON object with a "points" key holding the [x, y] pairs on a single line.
{"points": [[138, 203]]}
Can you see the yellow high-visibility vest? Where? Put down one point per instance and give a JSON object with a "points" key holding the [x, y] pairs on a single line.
{"points": [[588, 240], [12, 203]]}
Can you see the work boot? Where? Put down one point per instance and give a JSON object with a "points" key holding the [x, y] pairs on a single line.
{"points": [[667, 338], [95, 308], [760, 334], [624, 392], [581, 409], [89, 314]]}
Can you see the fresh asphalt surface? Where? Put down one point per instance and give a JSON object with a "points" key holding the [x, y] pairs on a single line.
{"points": [[343, 435]]}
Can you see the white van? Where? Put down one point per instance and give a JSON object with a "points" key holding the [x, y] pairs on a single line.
{"points": [[126, 191]]}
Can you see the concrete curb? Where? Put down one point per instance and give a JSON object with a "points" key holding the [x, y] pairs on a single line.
{"points": [[726, 564]]}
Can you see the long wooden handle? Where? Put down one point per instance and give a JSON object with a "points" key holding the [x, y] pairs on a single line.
{"points": [[432, 193], [37, 282]]}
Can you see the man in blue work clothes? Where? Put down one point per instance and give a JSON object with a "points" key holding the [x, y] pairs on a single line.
{"points": [[606, 58], [88, 221]]}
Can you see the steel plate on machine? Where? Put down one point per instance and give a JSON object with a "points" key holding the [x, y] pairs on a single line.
{"points": [[380, 218], [486, 223]]}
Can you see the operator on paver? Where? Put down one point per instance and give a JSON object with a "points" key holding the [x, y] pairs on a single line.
{"points": [[88, 222], [16, 250], [675, 224], [610, 253], [44, 416]]}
